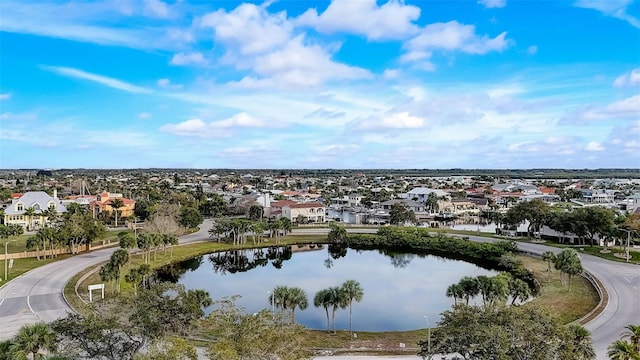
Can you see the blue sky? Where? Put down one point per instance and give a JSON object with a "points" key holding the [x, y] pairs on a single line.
{"points": [[320, 84]]}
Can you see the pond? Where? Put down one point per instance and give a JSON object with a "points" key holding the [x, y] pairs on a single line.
{"points": [[399, 288]]}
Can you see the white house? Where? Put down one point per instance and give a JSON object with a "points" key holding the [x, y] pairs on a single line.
{"points": [[312, 212], [39, 201], [421, 194]]}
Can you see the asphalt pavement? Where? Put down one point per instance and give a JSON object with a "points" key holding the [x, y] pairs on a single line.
{"points": [[37, 295]]}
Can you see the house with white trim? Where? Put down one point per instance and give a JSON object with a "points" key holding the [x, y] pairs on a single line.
{"points": [[39, 201]]}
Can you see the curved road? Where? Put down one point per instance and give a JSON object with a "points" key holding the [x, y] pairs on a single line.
{"points": [[37, 295]]}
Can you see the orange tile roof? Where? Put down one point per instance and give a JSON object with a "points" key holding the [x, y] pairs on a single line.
{"points": [[281, 203]]}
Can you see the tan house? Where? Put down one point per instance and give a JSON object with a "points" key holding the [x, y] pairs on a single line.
{"points": [[104, 202], [29, 210], [311, 212]]}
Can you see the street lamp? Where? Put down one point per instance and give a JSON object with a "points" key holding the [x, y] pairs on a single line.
{"points": [[628, 238], [429, 334]]}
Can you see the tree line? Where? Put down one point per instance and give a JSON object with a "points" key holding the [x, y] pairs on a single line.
{"points": [[585, 223]]}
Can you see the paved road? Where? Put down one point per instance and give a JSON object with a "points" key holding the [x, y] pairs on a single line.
{"points": [[622, 282], [37, 295]]}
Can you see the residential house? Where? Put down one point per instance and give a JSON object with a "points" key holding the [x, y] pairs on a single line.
{"points": [[312, 212], [104, 202], [421, 194], [39, 201]]}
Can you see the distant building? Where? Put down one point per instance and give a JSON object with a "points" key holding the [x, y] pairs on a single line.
{"points": [[312, 212], [39, 201], [104, 202]]}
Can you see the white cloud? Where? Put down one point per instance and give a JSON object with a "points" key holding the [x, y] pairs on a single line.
{"points": [[156, 8], [100, 79], [391, 73], [297, 64], [451, 36], [594, 146], [249, 29], [532, 50], [630, 79], [493, 3], [5, 96], [144, 115], [402, 120], [391, 20], [222, 128], [265, 46], [194, 58], [628, 108], [167, 84], [614, 8], [80, 21]]}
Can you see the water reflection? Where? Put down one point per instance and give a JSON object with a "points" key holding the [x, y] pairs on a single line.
{"points": [[244, 260], [399, 288]]}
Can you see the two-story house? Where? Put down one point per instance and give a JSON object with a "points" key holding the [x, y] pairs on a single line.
{"points": [[311, 212], [30, 209]]}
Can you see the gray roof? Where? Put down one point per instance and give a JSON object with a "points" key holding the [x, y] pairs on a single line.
{"points": [[31, 199], [427, 191]]}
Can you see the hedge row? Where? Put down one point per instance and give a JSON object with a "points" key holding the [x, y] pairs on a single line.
{"points": [[488, 254]]}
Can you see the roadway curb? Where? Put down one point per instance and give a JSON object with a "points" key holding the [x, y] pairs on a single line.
{"points": [[604, 299]]}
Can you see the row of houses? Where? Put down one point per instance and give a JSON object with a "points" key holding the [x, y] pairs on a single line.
{"points": [[35, 209]]}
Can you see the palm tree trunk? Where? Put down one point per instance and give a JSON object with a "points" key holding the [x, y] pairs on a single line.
{"points": [[350, 328], [326, 309]]}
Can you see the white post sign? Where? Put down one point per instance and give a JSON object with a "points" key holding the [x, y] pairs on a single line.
{"points": [[10, 263], [95, 287]]}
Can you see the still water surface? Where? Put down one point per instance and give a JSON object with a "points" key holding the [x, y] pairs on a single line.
{"points": [[399, 289]]}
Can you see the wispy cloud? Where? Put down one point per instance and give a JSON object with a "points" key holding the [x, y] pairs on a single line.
{"points": [[613, 8], [5, 96], [630, 79], [100, 79], [222, 128], [194, 58], [451, 36], [493, 3], [93, 22]]}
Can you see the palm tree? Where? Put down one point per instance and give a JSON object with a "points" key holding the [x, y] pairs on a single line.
{"points": [[549, 257], [134, 277], [116, 204], [280, 298], [31, 338], [470, 288], [51, 214], [28, 213], [324, 298], [338, 300], [633, 333], [171, 240], [286, 226], [622, 350], [120, 258], [34, 242], [297, 299], [352, 291], [581, 341], [456, 292]]}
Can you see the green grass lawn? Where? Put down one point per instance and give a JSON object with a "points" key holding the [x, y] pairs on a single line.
{"points": [[598, 251], [19, 243]]}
